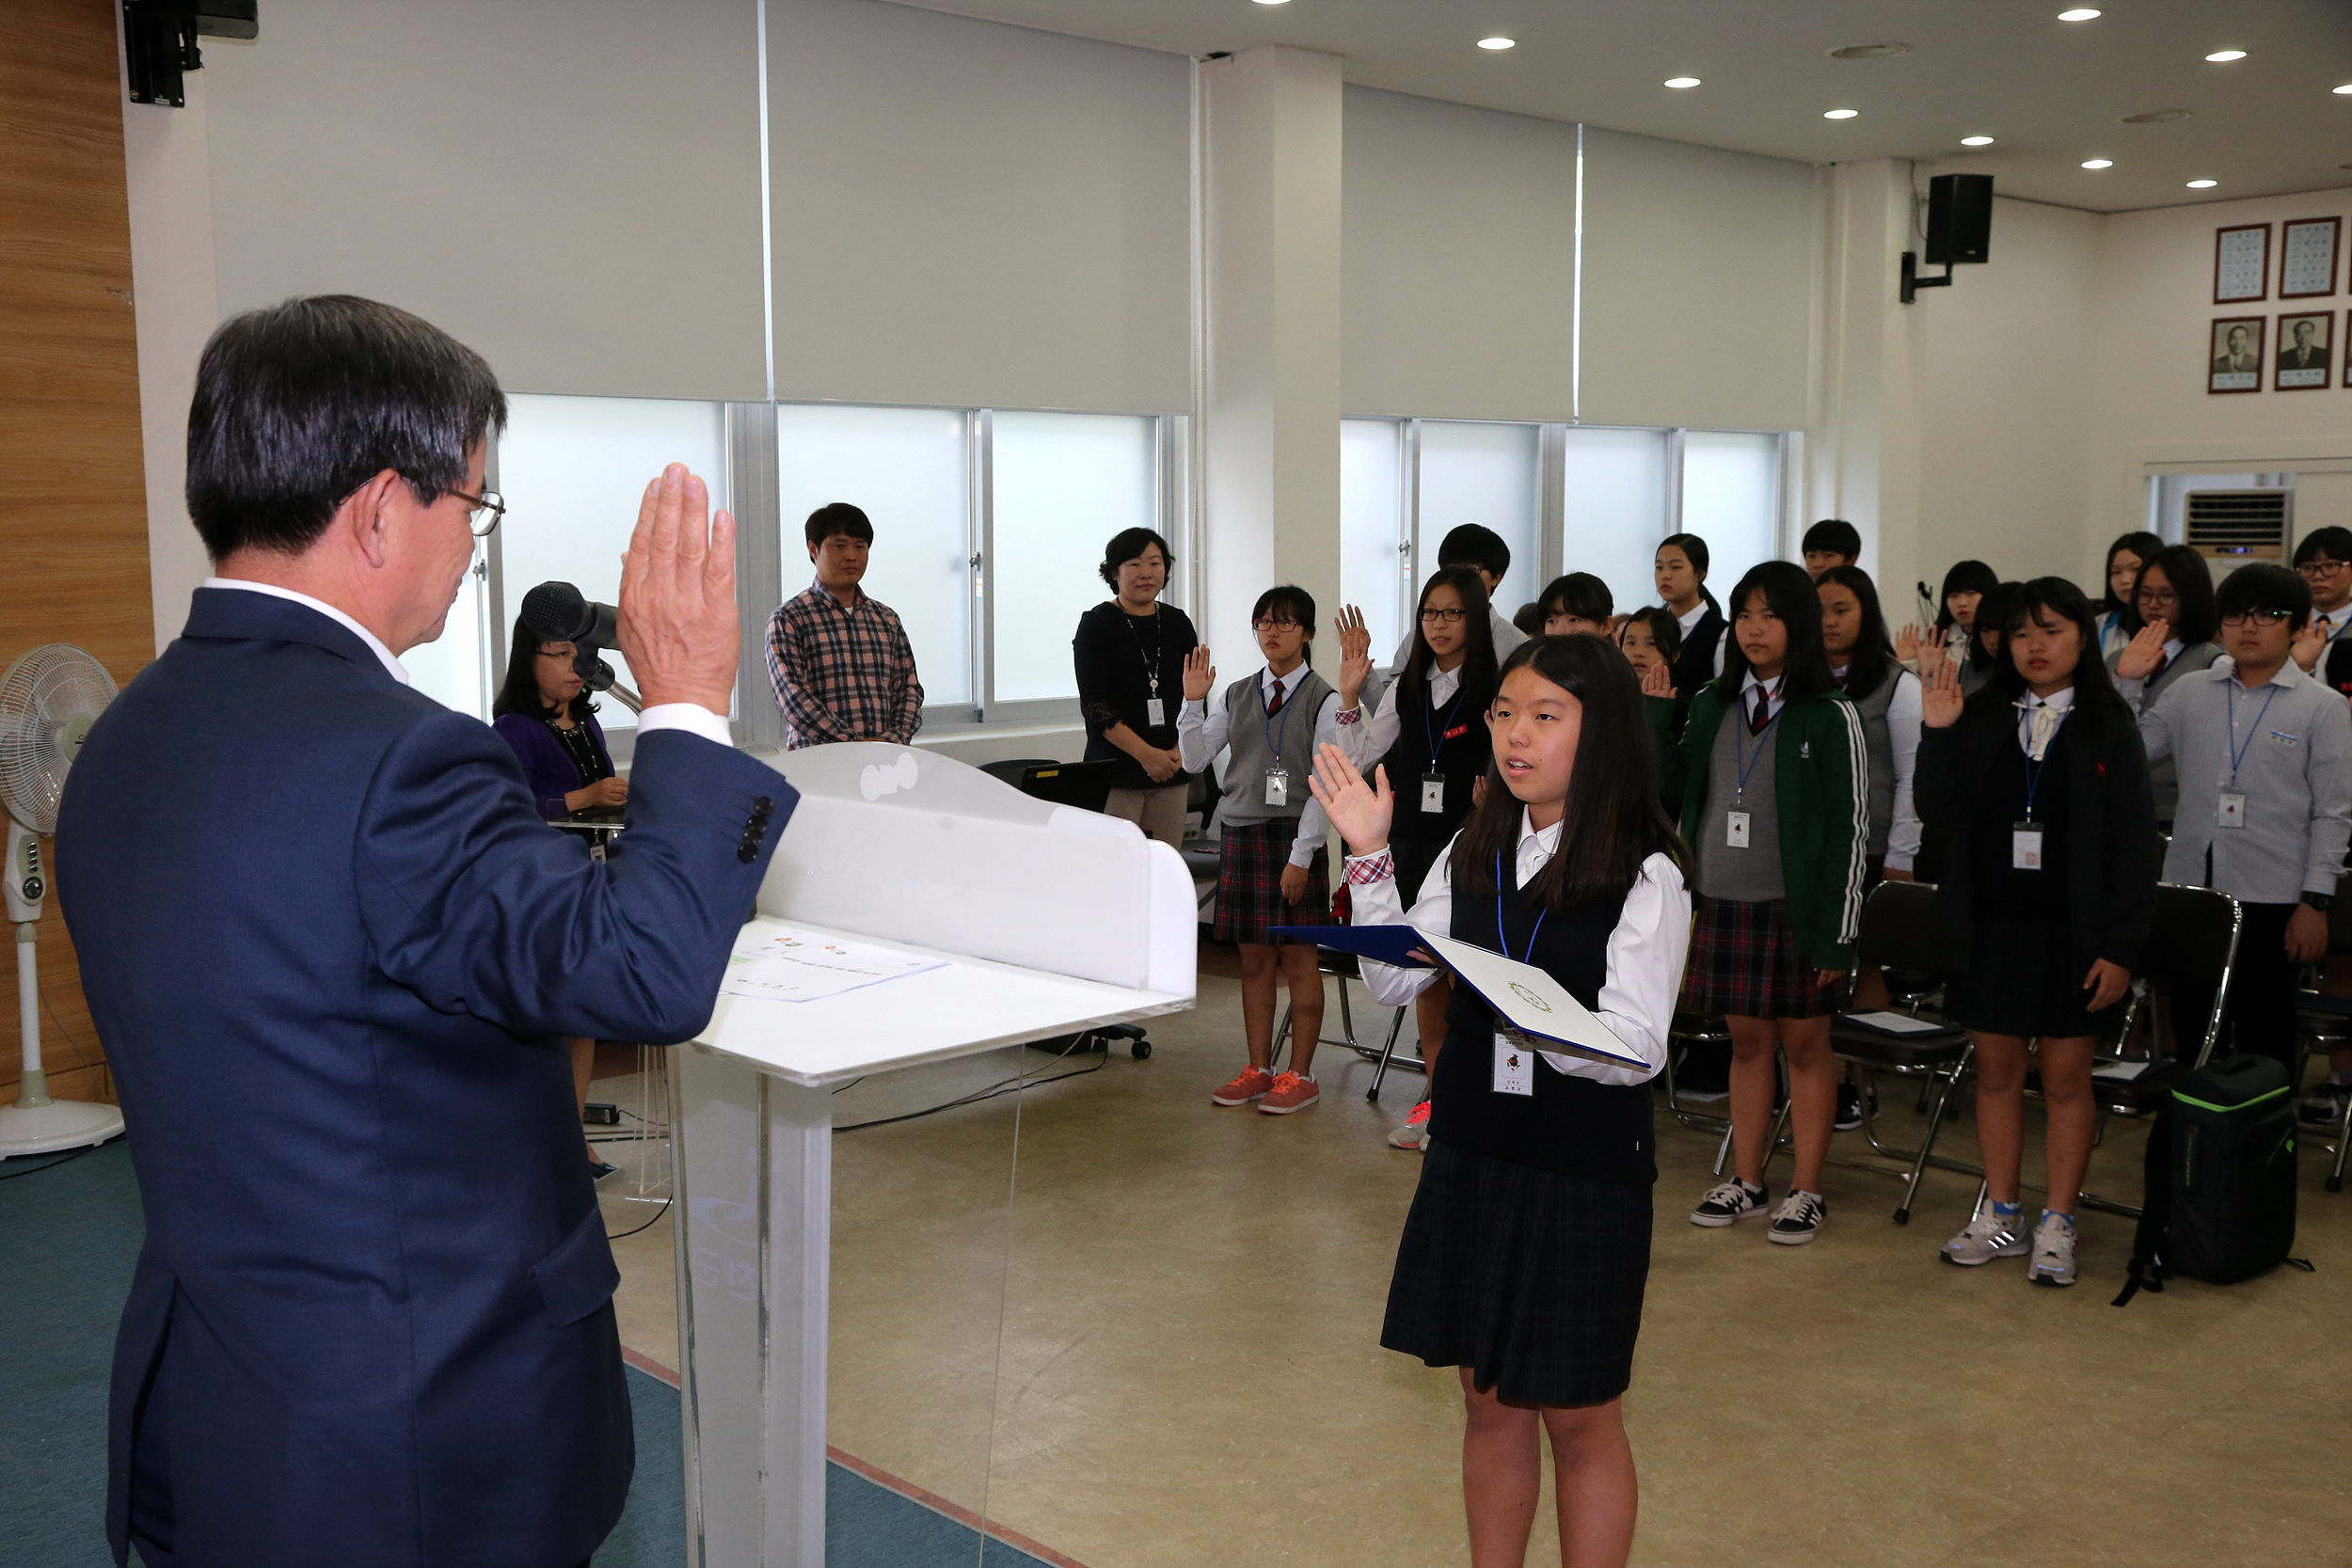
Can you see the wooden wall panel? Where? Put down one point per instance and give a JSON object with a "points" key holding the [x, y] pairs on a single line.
{"points": [[72, 485]]}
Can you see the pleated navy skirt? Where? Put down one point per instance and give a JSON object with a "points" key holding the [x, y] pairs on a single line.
{"points": [[1531, 1279]]}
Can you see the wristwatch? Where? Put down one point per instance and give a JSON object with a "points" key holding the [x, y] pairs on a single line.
{"points": [[2323, 902]]}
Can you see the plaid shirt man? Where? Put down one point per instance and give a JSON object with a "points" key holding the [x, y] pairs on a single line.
{"points": [[842, 674]]}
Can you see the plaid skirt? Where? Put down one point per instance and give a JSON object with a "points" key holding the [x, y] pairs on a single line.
{"points": [[1744, 962], [1250, 858], [1531, 1279]]}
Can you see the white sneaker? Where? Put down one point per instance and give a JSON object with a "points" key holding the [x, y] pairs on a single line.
{"points": [[1413, 1132], [2053, 1251], [1987, 1237]]}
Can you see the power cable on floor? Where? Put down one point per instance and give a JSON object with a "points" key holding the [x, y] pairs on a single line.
{"points": [[611, 1236], [62, 1160]]}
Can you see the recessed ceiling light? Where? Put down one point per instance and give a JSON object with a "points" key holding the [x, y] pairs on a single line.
{"points": [[1839, 113], [2345, 89], [1976, 141], [2098, 163], [1274, 2], [2222, 57], [2080, 14], [2202, 184], [2156, 116], [1497, 42], [1683, 81], [1869, 51]]}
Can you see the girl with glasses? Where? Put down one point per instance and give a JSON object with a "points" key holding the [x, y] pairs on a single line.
{"points": [[1270, 856], [1426, 731], [2172, 594]]}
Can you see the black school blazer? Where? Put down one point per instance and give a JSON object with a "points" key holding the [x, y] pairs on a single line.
{"points": [[2114, 855]]}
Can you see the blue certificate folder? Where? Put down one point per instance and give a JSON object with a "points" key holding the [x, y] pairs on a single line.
{"points": [[1387, 945]]}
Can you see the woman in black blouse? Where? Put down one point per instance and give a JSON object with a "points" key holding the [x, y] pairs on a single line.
{"points": [[1130, 656]]}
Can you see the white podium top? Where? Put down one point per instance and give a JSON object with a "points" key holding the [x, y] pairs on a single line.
{"points": [[1050, 920]]}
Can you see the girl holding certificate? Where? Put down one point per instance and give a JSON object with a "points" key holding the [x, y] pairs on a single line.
{"points": [[1527, 1249]]}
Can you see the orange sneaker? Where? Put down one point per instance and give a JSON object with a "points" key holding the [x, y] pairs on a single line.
{"points": [[1251, 1083], [1290, 1093]]}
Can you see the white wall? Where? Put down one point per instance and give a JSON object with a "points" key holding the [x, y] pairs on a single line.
{"points": [[970, 213]]}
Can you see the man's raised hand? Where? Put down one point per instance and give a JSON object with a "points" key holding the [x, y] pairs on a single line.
{"points": [[679, 628]]}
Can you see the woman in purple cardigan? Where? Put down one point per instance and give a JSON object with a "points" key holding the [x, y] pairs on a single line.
{"points": [[543, 714]]}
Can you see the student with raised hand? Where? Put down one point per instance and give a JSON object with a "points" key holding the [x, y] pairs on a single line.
{"points": [[1526, 1253], [1680, 569], [1964, 588], [1428, 731], [2172, 627], [2039, 784], [1776, 805], [2265, 800], [2323, 558], [1984, 658], [1832, 542], [1270, 832], [2125, 556], [1579, 602]]}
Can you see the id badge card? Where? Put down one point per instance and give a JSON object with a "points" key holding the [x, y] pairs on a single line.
{"points": [[1514, 1067], [1433, 792], [1278, 787], [2233, 812], [1155, 712], [2025, 846], [1736, 829]]}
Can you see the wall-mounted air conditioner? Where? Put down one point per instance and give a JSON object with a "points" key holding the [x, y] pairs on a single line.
{"points": [[2234, 527]]}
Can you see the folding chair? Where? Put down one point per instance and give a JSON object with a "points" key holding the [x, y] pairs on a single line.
{"points": [[2323, 1022], [1690, 1029]]}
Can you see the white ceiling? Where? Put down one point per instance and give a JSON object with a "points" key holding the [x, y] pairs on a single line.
{"points": [[2051, 93]]}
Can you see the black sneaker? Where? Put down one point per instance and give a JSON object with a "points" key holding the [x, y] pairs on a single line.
{"points": [[1729, 1203], [1848, 1107], [1798, 1218]]}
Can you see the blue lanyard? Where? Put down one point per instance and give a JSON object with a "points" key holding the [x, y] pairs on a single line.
{"points": [[1288, 704], [1740, 742], [2033, 769], [1504, 937], [1434, 731], [2237, 752]]}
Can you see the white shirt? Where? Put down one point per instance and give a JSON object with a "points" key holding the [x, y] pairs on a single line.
{"points": [[2337, 619], [1697, 613], [1645, 951], [691, 717], [1202, 731], [1367, 742], [1772, 703], [1904, 715], [2059, 703]]}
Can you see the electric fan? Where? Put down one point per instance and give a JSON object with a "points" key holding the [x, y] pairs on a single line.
{"points": [[48, 699]]}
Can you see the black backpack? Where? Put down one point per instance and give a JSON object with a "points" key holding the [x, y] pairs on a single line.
{"points": [[2220, 1178]]}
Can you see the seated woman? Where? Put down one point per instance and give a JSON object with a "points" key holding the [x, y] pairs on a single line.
{"points": [[543, 712]]}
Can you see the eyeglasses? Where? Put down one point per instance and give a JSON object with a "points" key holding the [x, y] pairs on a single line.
{"points": [[2258, 617], [1441, 617], [2159, 596], [2324, 568], [1270, 623], [488, 508]]}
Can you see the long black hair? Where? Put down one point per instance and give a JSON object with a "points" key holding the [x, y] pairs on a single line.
{"points": [[2144, 546], [1790, 595], [1966, 577], [1478, 644], [1873, 658], [1665, 632], [2096, 700], [2194, 620], [1613, 821], [520, 692], [1992, 616], [1693, 550]]}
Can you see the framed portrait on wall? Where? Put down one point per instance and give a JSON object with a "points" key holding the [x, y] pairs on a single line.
{"points": [[2234, 355], [2307, 258], [2241, 263], [2305, 352]]}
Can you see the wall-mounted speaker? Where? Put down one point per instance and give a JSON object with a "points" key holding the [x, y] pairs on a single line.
{"points": [[1960, 218]]}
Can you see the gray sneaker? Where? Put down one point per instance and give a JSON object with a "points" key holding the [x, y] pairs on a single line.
{"points": [[1987, 1237], [2053, 1251]]}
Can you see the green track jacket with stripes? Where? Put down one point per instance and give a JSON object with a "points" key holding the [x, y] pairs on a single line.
{"points": [[1824, 799]]}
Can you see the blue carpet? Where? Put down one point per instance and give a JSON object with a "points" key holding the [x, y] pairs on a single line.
{"points": [[68, 1240]]}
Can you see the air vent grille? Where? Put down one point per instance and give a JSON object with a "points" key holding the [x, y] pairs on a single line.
{"points": [[2238, 525]]}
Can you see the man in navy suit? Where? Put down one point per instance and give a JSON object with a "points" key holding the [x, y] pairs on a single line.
{"points": [[333, 951]]}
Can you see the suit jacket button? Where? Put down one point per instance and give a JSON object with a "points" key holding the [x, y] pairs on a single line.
{"points": [[763, 805], [747, 853]]}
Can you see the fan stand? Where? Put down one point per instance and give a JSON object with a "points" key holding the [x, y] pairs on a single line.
{"points": [[37, 1124]]}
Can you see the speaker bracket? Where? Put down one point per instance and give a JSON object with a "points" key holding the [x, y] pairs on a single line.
{"points": [[1913, 282]]}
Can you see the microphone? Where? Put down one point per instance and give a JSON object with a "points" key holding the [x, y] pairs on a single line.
{"points": [[559, 612]]}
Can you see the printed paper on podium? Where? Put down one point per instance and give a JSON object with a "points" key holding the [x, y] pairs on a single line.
{"points": [[1532, 1003]]}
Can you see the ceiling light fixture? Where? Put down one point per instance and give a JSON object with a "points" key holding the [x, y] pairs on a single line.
{"points": [[2098, 163], [2224, 56], [1274, 2], [2202, 184], [1497, 42], [2080, 14], [1683, 81], [2346, 91], [1869, 51], [1976, 141], [2156, 116], [1839, 113]]}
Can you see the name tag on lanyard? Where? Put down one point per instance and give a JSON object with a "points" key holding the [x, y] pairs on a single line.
{"points": [[2025, 846], [2231, 811], [1155, 712], [1514, 1067], [1277, 785], [1433, 792]]}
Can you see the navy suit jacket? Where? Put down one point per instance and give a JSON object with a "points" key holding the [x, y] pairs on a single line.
{"points": [[331, 949]]}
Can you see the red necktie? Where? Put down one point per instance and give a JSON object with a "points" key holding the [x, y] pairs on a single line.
{"points": [[1757, 719], [1276, 706]]}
